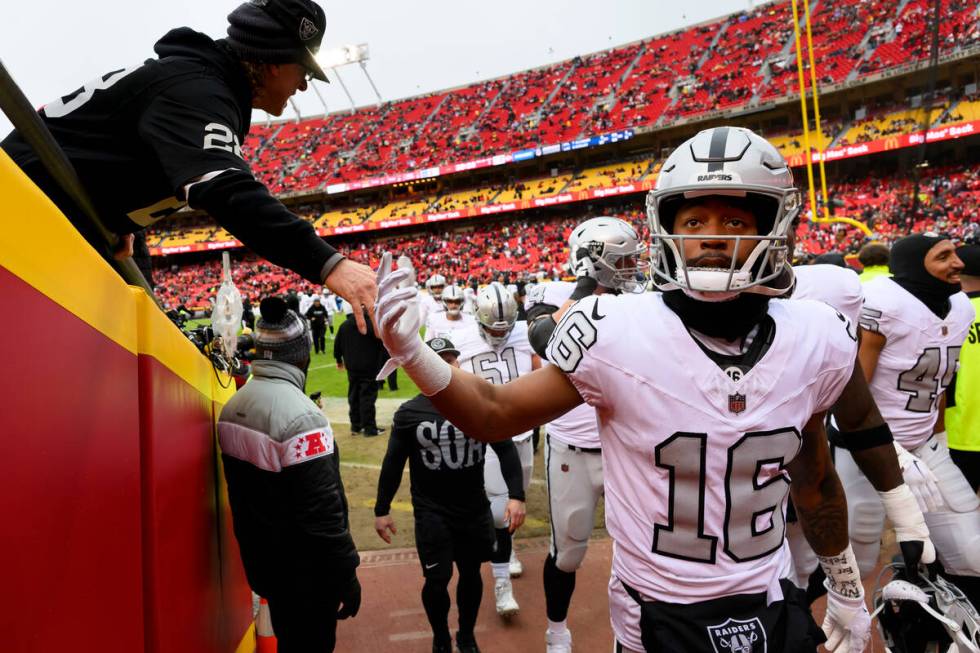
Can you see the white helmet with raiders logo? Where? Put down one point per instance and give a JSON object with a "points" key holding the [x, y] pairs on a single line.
{"points": [[496, 313], [736, 163], [613, 249], [913, 617], [435, 281], [452, 300]]}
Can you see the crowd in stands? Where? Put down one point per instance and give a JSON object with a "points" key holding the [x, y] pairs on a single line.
{"points": [[721, 64], [949, 201]]}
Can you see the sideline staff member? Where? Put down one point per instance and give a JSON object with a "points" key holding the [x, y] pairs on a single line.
{"points": [[963, 410], [453, 522], [287, 498], [148, 140]]}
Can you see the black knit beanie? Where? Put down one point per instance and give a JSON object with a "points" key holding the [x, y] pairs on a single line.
{"points": [[278, 31], [282, 335]]}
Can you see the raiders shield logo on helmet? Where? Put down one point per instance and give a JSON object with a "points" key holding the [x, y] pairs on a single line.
{"points": [[736, 403], [738, 636]]}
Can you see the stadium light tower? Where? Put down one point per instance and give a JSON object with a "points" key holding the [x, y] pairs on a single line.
{"points": [[345, 55]]}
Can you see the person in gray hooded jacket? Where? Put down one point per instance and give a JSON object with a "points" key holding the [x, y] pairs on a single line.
{"points": [[287, 498]]}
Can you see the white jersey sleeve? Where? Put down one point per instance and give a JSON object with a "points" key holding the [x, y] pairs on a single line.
{"points": [[920, 356], [555, 293], [578, 426], [694, 461], [837, 286]]}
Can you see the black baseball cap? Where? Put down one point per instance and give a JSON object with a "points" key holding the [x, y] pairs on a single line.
{"points": [[970, 255], [443, 346], [279, 31]]}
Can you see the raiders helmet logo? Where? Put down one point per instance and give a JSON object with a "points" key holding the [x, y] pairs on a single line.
{"points": [[738, 636], [307, 30], [736, 403]]}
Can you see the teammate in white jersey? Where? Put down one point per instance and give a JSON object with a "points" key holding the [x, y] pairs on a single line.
{"points": [[451, 319], [711, 402], [868, 444], [914, 325], [605, 253], [432, 302], [496, 349]]}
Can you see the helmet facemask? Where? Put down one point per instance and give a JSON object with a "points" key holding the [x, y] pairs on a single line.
{"points": [[496, 314], [766, 263]]}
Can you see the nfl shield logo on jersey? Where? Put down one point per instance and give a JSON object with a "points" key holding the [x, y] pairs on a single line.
{"points": [[738, 636], [736, 403]]}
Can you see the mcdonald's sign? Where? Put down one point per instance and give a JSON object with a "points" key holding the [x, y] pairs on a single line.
{"points": [[891, 143]]}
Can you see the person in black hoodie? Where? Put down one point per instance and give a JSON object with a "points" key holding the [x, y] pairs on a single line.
{"points": [[362, 356], [149, 140]]}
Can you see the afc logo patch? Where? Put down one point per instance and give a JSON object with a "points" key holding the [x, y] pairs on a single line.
{"points": [[738, 636], [736, 403]]}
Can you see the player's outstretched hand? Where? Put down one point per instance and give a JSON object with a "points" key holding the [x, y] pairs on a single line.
{"points": [[385, 525], [847, 624], [920, 480], [354, 282], [397, 316], [514, 514]]}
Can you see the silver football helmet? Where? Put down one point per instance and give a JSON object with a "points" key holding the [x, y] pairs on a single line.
{"points": [[496, 313], [734, 162], [614, 249], [436, 282], [452, 300], [929, 612]]}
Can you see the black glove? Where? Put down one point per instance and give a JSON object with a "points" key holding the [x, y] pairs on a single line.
{"points": [[350, 599]]}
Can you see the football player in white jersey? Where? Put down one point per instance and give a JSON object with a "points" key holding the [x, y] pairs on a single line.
{"points": [[432, 302], [606, 254], [867, 442], [711, 401], [496, 349], [914, 325], [451, 319]]}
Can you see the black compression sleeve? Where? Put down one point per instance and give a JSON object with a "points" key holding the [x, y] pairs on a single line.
{"points": [[538, 310], [510, 468], [244, 207], [875, 436], [391, 471], [539, 333], [584, 286]]}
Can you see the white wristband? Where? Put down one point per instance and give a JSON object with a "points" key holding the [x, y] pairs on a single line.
{"points": [[843, 575], [430, 373], [901, 507]]}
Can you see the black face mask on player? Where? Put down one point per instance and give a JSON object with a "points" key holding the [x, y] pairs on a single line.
{"points": [[730, 320], [907, 265]]}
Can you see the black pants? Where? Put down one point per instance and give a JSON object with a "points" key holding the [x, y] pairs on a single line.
{"points": [[319, 339], [742, 622], [969, 464], [304, 623], [362, 392]]}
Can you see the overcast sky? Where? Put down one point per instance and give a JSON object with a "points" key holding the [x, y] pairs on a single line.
{"points": [[52, 48]]}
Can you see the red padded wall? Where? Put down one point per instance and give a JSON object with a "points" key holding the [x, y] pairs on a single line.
{"points": [[70, 546], [182, 568]]}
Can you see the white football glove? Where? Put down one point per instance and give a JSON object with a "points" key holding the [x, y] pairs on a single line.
{"points": [[396, 313], [920, 480], [584, 266], [847, 624]]}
